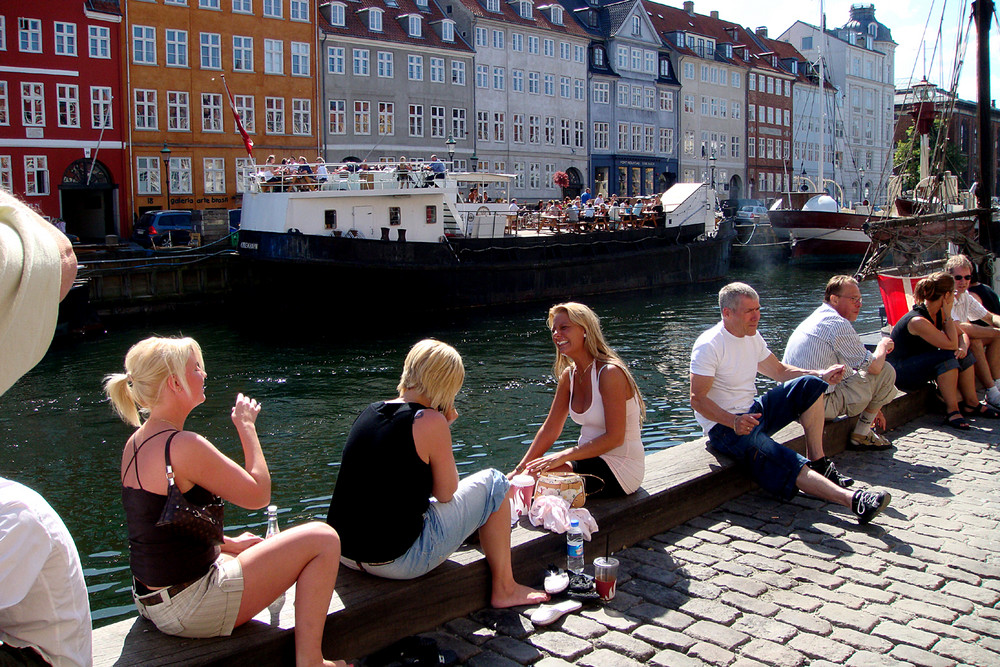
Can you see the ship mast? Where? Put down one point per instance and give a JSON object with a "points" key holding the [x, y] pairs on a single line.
{"points": [[822, 97], [989, 234]]}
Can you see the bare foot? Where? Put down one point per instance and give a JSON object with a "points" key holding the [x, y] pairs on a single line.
{"points": [[517, 596]]}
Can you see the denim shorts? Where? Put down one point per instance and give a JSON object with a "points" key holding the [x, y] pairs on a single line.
{"points": [[446, 525], [774, 467], [914, 372], [206, 608]]}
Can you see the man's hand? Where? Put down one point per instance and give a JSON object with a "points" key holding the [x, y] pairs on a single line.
{"points": [[879, 421], [834, 374], [886, 345]]}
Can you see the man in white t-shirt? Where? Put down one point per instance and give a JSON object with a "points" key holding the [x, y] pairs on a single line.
{"points": [[44, 611], [984, 339], [724, 365]]}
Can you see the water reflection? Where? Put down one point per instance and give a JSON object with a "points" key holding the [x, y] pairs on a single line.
{"points": [[59, 436]]}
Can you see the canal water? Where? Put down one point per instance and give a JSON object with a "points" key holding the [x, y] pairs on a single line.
{"points": [[59, 436]]}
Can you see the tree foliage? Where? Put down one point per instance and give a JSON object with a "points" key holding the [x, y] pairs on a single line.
{"points": [[906, 159]]}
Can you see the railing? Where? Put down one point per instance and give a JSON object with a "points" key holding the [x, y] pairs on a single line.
{"points": [[344, 176]]}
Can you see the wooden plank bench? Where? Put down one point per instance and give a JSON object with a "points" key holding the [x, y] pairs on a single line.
{"points": [[367, 613]]}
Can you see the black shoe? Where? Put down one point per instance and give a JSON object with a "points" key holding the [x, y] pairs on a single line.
{"points": [[825, 467], [868, 504]]}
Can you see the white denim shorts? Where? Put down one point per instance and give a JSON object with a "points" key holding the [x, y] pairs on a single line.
{"points": [[206, 608]]}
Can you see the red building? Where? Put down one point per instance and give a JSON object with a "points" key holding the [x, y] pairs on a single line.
{"points": [[61, 133]]}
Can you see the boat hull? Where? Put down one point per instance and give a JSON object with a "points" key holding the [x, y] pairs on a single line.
{"points": [[468, 273], [823, 235]]}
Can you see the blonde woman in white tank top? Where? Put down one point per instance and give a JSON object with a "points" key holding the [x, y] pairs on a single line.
{"points": [[598, 392]]}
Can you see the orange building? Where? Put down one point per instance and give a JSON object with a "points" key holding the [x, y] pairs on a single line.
{"points": [[184, 138]]}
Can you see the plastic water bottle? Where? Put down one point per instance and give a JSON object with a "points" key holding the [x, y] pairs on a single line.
{"points": [[574, 547], [272, 530]]}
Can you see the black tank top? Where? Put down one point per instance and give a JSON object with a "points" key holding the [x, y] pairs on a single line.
{"points": [[906, 344], [383, 487], [158, 556]]}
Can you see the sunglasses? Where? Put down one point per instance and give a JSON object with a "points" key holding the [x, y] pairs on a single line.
{"points": [[966, 277]]}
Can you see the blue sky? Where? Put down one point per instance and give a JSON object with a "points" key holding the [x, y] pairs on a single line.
{"points": [[906, 20]]}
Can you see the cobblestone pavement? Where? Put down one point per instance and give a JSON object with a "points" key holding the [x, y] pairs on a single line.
{"points": [[760, 582]]}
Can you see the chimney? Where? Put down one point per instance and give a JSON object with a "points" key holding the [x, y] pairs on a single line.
{"points": [[714, 14], [761, 31], [689, 7]]}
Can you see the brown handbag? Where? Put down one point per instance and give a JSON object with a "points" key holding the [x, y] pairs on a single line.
{"points": [[202, 523]]}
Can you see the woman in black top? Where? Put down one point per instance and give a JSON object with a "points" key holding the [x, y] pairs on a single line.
{"points": [[398, 454], [188, 586], [930, 346]]}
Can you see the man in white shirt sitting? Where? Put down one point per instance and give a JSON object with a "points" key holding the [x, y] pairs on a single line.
{"points": [[984, 339], [827, 337]]}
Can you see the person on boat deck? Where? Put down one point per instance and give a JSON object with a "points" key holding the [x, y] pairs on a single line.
{"points": [[928, 345], [403, 172], [826, 338], [189, 586], [724, 364], [398, 454], [436, 167], [598, 392], [322, 173], [44, 610], [980, 325]]}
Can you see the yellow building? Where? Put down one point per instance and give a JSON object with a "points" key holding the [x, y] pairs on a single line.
{"points": [[184, 138]]}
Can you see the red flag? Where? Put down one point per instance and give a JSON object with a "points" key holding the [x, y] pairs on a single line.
{"points": [[247, 141], [897, 295]]}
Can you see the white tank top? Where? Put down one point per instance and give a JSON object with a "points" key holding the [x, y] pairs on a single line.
{"points": [[627, 461]]}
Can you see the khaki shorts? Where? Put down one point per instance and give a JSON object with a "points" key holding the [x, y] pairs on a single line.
{"points": [[206, 608]]}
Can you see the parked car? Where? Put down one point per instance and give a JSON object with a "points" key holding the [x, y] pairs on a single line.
{"points": [[751, 214], [163, 228]]}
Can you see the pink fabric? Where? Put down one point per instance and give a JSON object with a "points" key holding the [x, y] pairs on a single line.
{"points": [[554, 513]]}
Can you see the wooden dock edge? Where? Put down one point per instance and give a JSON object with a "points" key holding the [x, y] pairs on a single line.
{"points": [[367, 613]]}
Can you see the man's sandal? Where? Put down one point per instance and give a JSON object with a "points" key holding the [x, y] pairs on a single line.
{"points": [[979, 410], [956, 420]]}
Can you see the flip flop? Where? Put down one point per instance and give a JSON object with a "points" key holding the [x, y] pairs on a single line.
{"points": [[550, 613], [956, 420], [556, 580]]}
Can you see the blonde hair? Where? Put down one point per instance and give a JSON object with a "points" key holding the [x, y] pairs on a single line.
{"points": [[148, 364], [435, 370], [597, 347], [957, 262]]}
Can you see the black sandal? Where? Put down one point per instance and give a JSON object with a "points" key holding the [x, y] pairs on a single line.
{"points": [[956, 420], [980, 410]]}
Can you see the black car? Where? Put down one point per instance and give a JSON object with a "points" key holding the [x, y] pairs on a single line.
{"points": [[163, 228]]}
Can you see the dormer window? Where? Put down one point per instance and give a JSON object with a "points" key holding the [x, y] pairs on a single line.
{"points": [[493, 6], [873, 29], [337, 13], [422, 4], [526, 10], [557, 14], [448, 31], [679, 39], [709, 47], [415, 28], [598, 57], [727, 50], [794, 66], [664, 68], [391, 3], [375, 20], [636, 26]]}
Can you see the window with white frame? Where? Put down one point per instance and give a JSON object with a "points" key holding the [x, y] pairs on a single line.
{"points": [[533, 80], [564, 87], [602, 136], [179, 3], [147, 175], [272, 9], [493, 6], [301, 116], [498, 39], [416, 120], [751, 81], [637, 97], [383, 67], [447, 31], [36, 175], [65, 34], [180, 176], [689, 142], [648, 138], [437, 70], [68, 105], [636, 138], [437, 122], [557, 14], [650, 57], [736, 147], [176, 48], [243, 6], [578, 134], [623, 57], [735, 79], [736, 109], [415, 26], [534, 175], [458, 72], [32, 104], [362, 117], [666, 100], [245, 108], [145, 109], [214, 172], [274, 115], [482, 76], [209, 4], [100, 108], [246, 174], [274, 56], [549, 84], [99, 41], [549, 48], [649, 97], [3, 47], [517, 128], [300, 58], [29, 34], [211, 112], [337, 116], [622, 136], [242, 54], [482, 37], [550, 130], [375, 20], [623, 94], [482, 126], [499, 125], [579, 92], [534, 129], [459, 127], [565, 52], [143, 45], [4, 104], [360, 57], [666, 140], [516, 42], [752, 113], [564, 132], [298, 10], [335, 59], [525, 9], [6, 173], [533, 45], [337, 13], [414, 67], [519, 175]]}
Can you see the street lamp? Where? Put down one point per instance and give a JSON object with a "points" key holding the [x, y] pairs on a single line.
{"points": [[802, 186], [165, 153], [712, 159], [861, 185], [451, 150]]}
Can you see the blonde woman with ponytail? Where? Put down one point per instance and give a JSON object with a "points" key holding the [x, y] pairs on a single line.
{"points": [[191, 587], [599, 393]]}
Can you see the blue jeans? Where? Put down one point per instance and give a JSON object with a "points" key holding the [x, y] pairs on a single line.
{"points": [[774, 467], [914, 372], [446, 525]]}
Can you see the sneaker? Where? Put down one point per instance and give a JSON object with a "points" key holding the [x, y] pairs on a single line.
{"points": [[825, 467], [870, 441], [868, 504], [993, 401]]}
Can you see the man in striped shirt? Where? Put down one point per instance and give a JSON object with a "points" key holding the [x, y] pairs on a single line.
{"points": [[827, 337]]}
